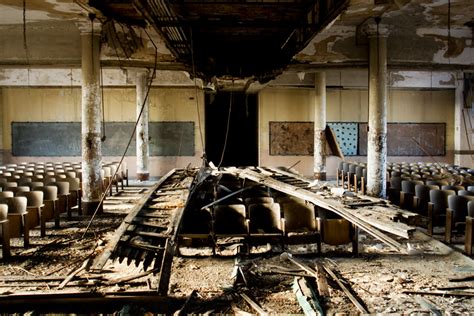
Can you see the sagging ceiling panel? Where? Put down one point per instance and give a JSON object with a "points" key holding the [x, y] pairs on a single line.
{"points": [[229, 39]]}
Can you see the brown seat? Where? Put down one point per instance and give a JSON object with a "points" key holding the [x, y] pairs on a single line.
{"points": [[469, 236], [18, 190], [407, 193], [394, 189], [335, 230], [299, 222], [456, 215], [35, 210], [265, 223], [63, 197], [422, 198], [439, 183], [5, 231], [437, 208], [50, 200], [75, 194], [6, 194], [230, 220], [455, 188], [465, 192], [18, 218], [35, 184]]}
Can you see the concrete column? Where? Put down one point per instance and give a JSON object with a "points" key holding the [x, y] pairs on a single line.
{"points": [[2, 115], [320, 125], [462, 122], [377, 133], [91, 119], [143, 143]]}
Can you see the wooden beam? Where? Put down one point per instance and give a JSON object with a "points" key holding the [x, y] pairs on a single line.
{"points": [[100, 261], [331, 205], [90, 302], [344, 288], [254, 305]]}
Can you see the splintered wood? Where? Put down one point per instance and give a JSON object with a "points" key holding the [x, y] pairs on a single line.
{"points": [[144, 234], [373, 225]]}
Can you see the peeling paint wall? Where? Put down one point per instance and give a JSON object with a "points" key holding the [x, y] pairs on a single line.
{"points": [[64, 105], [72, 77], [351, 105], [48, 42]]}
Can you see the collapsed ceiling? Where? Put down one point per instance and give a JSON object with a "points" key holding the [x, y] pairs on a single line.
{"points": [[236, 39]]}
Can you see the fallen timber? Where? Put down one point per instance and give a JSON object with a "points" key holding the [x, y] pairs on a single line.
{"points": [[148, 233], [370, 224]]}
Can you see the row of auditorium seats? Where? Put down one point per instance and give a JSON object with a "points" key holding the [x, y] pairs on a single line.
{"points": [[33, 193], [442, 193], [260, 216]]}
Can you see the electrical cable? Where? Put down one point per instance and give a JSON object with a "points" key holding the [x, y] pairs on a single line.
{"points": [[228, 127], [129, 141]]}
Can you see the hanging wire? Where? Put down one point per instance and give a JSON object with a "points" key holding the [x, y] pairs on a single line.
{"points": [[130, 139], [196, 96], [228, 126]]}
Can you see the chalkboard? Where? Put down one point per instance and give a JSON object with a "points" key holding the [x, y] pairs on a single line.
{"points": [[46, 139], [410, 139], [64, 139]]}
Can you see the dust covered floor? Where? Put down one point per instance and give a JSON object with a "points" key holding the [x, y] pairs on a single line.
{"points": [[225, 283], [379, 277]]}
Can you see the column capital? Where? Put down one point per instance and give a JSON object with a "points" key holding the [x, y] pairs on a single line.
{"points": [[86, 26], [373, 29]]}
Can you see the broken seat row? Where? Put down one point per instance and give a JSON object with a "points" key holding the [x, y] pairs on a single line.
{"points": [[263, 216]]}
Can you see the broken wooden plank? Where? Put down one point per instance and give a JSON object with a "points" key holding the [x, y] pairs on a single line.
{"points": [[321, 281], [344, 288], [462, 279], [306, 297], [151, 235], [254, 305], [442, 293], [131, 278], [100, 261], [85, 301], [331, 205], [289, 256], [74, 273]]}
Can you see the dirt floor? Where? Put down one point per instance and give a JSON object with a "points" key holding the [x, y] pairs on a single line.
{"points": [[378, 277]]}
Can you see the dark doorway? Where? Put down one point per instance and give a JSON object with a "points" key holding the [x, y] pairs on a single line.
{"points": [[241, 148]]}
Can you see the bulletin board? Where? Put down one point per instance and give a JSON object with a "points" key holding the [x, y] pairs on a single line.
{"points": [[410, 139]]}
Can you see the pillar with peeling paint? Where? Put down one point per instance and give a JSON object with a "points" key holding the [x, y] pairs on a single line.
{"points": [[91, 119], [143, 143], [319, 126], [377, 133], [462, 123]]}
